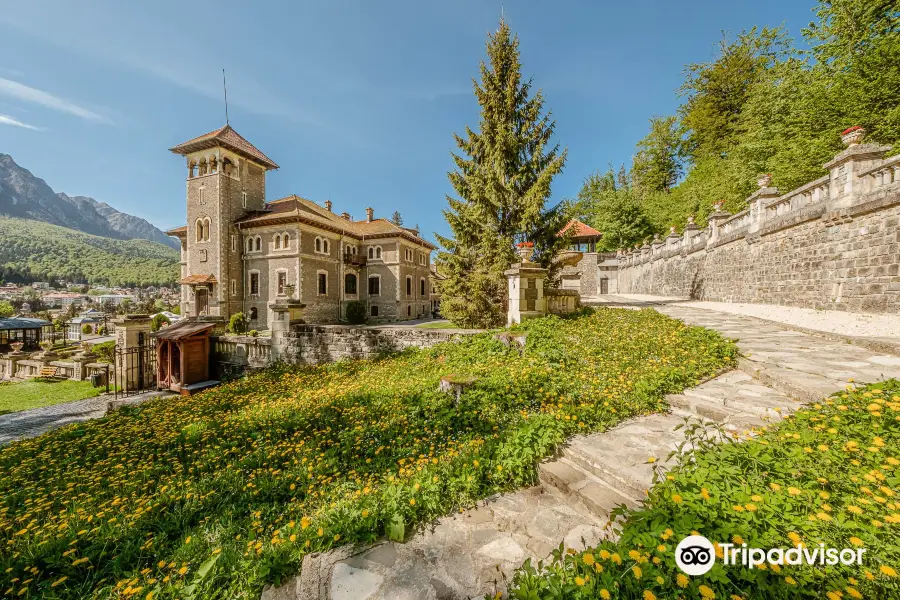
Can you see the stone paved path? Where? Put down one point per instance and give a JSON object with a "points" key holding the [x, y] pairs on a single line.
{"points": [[474, 553], [33, 422]]}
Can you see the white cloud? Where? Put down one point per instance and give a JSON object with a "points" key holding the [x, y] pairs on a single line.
{"points": [[7, 120], [24, 93]]}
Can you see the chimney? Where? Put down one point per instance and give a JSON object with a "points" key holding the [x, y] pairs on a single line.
{"points": [[345, 215], [370, 214], [328, 205]]}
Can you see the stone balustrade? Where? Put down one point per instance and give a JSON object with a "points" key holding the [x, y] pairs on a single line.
{"points": [[831, 243]]}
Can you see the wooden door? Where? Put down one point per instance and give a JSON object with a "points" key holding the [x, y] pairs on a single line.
{"points": [[202, 301]]}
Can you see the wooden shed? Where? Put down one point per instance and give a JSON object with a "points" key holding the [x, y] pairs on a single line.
{"points": [[182, 357]]}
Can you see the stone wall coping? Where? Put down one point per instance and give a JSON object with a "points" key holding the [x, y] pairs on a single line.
{"points": [[888, 162], [243, 339], [561, 292]]}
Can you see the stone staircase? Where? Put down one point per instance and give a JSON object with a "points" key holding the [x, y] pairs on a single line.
{"points": [[475, 553]]}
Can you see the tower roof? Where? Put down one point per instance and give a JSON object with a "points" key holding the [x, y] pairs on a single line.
{"points": [[228, 138], [579, 229]]}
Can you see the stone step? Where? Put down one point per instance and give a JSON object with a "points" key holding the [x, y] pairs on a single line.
{"points": [[619, 457], [730, 419], [582, 489], [805, 387]]}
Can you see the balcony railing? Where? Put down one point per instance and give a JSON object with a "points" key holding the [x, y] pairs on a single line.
{"points": [[356, 260]]}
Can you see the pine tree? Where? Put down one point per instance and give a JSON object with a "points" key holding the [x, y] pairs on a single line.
{"points": [[396, 219], [502, 180]]}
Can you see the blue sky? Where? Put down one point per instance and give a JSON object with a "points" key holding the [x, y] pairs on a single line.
{"points": [[357, 101]]}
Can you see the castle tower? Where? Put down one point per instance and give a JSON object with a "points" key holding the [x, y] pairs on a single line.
{"points": [[226, 179]]}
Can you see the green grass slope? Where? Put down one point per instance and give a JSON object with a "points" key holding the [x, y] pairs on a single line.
{"points": [[43, 251]]}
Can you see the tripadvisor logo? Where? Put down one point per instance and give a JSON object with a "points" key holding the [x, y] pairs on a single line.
{"points": [[696, 555]]}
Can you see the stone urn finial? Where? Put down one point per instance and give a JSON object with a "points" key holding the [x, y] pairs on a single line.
{"points": [[718, 206], [525, 250], [690, 219], [853, 136], [655, 237], [763, 180], [671, 229]]}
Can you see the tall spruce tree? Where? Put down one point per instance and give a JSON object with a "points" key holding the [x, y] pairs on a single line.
{"points": [[502, 180]]}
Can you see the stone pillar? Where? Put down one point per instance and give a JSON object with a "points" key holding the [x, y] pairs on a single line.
{"points": [[132, 331], [526, 291], [690, 231], [286, 312], [845, 186], [718, 215]]}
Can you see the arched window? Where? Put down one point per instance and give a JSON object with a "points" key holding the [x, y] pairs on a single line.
{"points": [[350, 283], [278, 241], [258, 244], [371, 252], [198, 235], [408, 285], [422, 287], [206, 223], [249, 244], [378, 252], [318, 244], [286, 241], [326, 247]]}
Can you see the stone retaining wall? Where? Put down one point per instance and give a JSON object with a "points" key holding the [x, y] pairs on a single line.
{"points": [[831, 244], [313, 344]]}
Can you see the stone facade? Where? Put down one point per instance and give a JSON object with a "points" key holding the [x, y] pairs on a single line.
{"points": [[240, 253], [831, 244]]}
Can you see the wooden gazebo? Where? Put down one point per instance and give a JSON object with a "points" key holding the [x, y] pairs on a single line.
{"points": [[182, 357], [22, 329]]}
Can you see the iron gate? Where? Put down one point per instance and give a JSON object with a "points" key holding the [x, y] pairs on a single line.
{"points": [[135, 368]]}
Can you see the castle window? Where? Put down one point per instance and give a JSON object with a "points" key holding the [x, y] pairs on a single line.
{"points": [[374, 285], [249, 244], [198, 233], [371, 252], [254, 283], [286, 241], [318, 244], [374, 311], [350, 283], [201, 200], [254, 314], [409, 311], [244, 199], [323, 284], [282, 281], [408, 285], [206, 223], [278, 241], [258, 244], [378, 252], [326, 247], [234, 287], [422, 287], [234, 243]]}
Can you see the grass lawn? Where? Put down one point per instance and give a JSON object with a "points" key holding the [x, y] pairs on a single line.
{"points": [[829, 474], [215, 495], [438, 325], [43, 392]]}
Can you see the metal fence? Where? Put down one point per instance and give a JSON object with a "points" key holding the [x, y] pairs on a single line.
{"points": [[135, 368]]}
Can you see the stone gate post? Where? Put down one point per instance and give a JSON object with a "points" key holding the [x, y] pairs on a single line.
{"points": [[132, 331], [526, 290]]}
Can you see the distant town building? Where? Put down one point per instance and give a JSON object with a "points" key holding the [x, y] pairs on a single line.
{"points": [[116, 299]]}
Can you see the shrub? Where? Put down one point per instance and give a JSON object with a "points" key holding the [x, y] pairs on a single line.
{"points": [[105, 350], [356, 312], [87, 329], [159, 321], [265, 469], [101, 330], [238, 323], [829, 474], [253, 333]]}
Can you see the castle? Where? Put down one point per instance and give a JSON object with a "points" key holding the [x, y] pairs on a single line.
{"points": [[240, 253]]}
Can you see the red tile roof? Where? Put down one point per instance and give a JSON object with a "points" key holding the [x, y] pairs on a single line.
{"points": [[178, 231], [579, 229], [297, 208], [229, 138]]}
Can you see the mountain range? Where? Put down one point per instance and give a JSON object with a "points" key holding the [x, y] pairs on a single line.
{"points": [[22, 195]]}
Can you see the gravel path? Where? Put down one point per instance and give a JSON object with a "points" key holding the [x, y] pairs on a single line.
{"points": [[831, 321]]}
